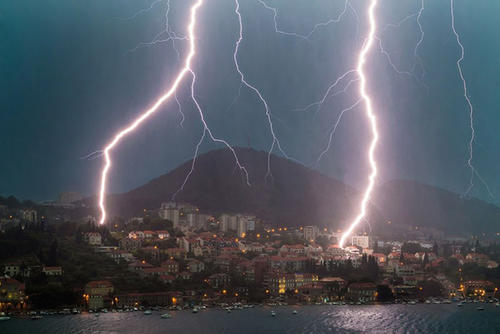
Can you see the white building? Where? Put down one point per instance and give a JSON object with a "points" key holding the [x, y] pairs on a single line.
{"points": [[29, 215], [363, 241], [93, 238], [311, 233]]}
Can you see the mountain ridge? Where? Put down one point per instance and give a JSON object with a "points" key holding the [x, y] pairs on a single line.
{"points": [[295, 195]]}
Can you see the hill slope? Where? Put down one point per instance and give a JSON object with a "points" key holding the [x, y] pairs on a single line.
{"points": [[296, 195], [293, 195]]}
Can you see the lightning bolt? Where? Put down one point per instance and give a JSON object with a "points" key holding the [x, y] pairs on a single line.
{"points": [[313, 30], [164, 36], [186, 70], [275, 141], [467, 99], [370, 114]]}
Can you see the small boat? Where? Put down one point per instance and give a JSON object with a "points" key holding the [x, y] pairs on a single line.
{"points": [[195, 310], [446, 301], [295, 312], [97, 315], [166, 316], [273, 314], [460, 304], [480, 308], [36, 317], [75, 311], [104, 310], [497, 304], [148, 312], [4, 317]]}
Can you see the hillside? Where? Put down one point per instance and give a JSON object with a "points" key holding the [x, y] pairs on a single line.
{"points": [[296, 195], [411, 203]]}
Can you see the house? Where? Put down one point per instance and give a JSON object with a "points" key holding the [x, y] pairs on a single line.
{"points": [[195, 266], [218, 280], [163, 234], [149, 234], [93, 238], [136, 235], [155, 271], [121, 255], [12, 293], [171, 265], [362, 292], [168, 279], [98, 294], [185, 275], [52, 271], [288, 263], [294, 249], [281, 282], [176, 253], [139, 266]]}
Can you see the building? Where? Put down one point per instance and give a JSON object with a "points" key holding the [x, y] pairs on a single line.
{"points": [[146, 299], [52, 271], [171, 265], [280, 282], [242, 228], [219, 280], [93, 238], [310, 233], [29, 215], [362, 292], [363, 241], [12, 293], [195, 266], [98, 294], [170, 211]]}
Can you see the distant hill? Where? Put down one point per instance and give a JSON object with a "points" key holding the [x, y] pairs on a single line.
{"points": [[296, 195], [293, 196], [411, 203]]}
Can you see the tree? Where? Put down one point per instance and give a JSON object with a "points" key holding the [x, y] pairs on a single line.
{"points": [[425, 261], [52, 258]]}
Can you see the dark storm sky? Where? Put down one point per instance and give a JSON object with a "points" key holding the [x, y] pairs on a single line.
{"points": [[67, 83]]}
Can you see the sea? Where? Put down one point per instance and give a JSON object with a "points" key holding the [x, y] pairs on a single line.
{"points": [[420, 318]]}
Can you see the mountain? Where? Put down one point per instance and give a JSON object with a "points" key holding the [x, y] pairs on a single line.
{"points": [[295, 195], [415, 204]]}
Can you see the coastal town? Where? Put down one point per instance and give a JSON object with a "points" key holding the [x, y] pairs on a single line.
{"points": [[178, 257]]}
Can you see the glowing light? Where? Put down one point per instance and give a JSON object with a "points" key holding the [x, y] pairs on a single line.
{"points": [[144, 116], [373, 122]]}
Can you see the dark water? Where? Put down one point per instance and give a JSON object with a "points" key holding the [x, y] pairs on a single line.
{"points": [[310, 319]]}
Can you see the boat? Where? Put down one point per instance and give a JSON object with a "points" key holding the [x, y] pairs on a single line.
{"points": [[446, 301], [4, 317], [460, 304], [273, 314], [36, 317], [480, 308], [148, 312], [295, 312], [497, 304], [97, 315], [166, 316], [75, 311], [195, 310]]}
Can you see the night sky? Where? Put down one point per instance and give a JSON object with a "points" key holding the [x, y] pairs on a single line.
{"points": [[68, 81]]}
